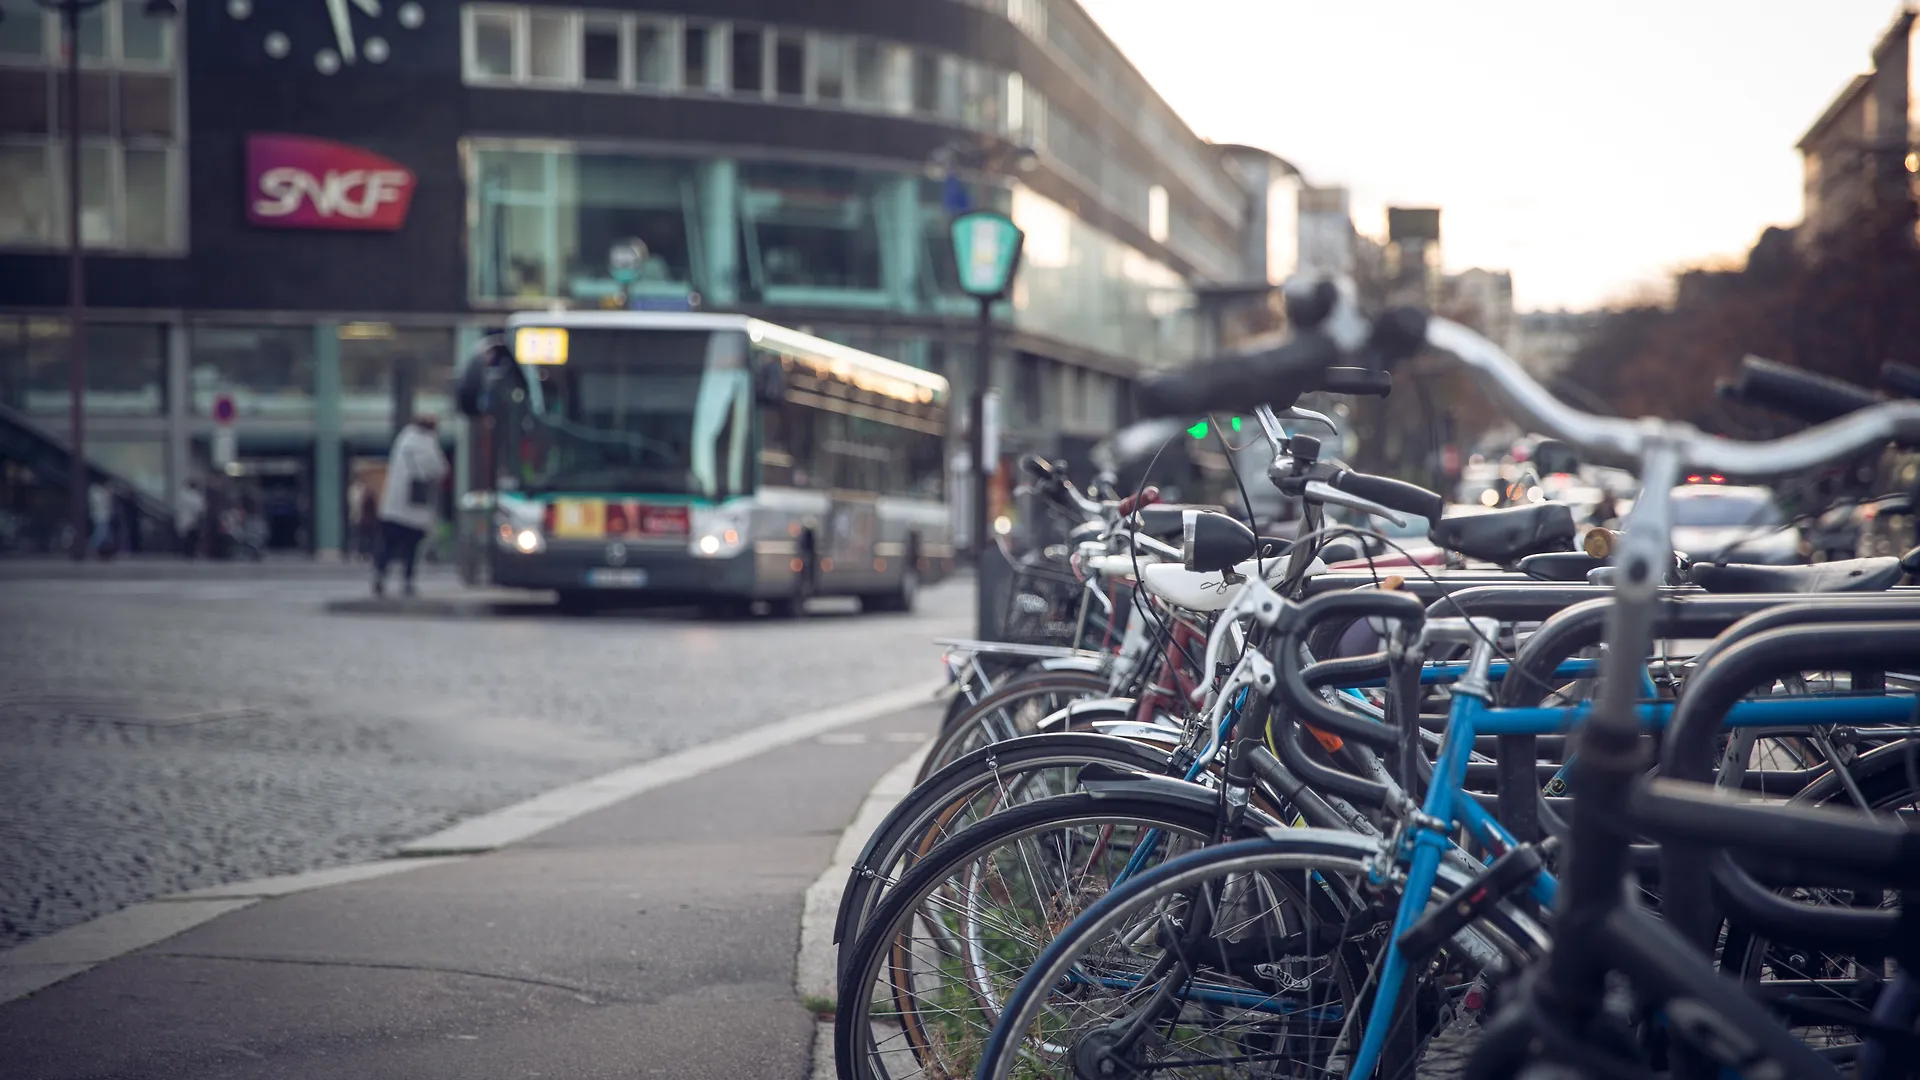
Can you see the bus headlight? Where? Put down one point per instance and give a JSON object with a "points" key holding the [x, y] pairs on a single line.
{"points": [[718, 533], [519, 536]]}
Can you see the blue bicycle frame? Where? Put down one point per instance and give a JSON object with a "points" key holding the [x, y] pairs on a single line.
{"points": [[1422, 843]]}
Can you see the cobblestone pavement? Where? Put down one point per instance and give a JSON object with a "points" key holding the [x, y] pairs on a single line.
{"points": [[159, 735]]}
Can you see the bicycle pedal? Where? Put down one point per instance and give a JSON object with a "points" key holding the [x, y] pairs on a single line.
{"points": [[1505, 875]]}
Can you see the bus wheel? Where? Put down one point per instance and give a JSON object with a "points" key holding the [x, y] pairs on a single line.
{"points": [[901, 598], [805, 585]]}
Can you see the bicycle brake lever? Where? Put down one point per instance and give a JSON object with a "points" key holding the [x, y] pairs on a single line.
{"points": [[1298, 413], [1320, 491]]}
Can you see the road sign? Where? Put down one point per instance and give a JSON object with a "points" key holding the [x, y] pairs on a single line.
{"points": [[224, 450], [990, 432], [223, 410], [625, 259]]}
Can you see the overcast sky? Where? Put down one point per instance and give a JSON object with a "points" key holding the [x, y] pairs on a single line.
{"points": [[1588, 148]]}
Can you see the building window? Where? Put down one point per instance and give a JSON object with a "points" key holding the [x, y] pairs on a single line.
{"points": [[23, 36], [790, 66], [553, 44], [653, 53], [600, 51], [126, 365], [949, 107], [132, 193], [869, 81], [490, 36], [701, 58], [829, 68], [810, 231], [926, 82], [27, 218], [267, 370], [545, 221], [1157, 213], [749, 61]]}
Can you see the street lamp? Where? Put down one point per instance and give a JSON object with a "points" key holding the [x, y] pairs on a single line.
{"points": [[986, 253], [77, 472]]}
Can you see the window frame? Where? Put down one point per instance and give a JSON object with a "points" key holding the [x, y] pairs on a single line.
{"points": [[719, 56], [572, 48], [622, 25], [674, 32], [470, 19]]}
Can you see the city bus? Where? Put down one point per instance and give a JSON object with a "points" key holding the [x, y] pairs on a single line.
{"points": [[678, 457]]}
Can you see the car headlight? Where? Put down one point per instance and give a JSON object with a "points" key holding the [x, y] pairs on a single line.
{"points": [[717, 532]]}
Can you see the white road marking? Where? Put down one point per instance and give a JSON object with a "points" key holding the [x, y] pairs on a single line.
{"points": [[542, 812]]}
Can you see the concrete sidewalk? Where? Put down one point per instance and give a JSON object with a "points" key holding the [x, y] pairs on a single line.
{"points": [[655, 937]]}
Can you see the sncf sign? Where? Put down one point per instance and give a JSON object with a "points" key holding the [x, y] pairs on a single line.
{"points": [[296, 182]]}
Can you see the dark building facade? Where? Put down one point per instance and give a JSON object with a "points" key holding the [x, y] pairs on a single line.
{"points": [[316, 221]]}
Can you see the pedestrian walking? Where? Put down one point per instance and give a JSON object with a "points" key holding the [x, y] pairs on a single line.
{"points": [[189, 509], [100, 514], [366, 519], [409, 503]]}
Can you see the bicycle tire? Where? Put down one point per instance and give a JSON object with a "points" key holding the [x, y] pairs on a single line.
{"points": [[907, 832], [974, 726], [1506, 937], [855, 1057]]}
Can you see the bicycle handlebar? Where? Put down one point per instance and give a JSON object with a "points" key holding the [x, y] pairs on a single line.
{"points": [[1624, 441], [1393, 494], [1794, 392]]}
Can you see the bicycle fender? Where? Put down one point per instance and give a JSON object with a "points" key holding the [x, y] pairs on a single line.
{"points": [[1106, 782]]}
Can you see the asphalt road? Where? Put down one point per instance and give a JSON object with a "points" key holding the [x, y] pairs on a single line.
{"points": [[166, 733]]}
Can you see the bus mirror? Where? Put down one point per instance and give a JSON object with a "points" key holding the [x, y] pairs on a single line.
{"points": [[469, 389], [770, 384]]}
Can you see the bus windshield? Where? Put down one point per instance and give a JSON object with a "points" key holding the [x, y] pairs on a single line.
{"points": [[640, 411]]}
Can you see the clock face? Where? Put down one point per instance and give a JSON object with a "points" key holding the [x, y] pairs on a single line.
{"points": [[361, 29]]}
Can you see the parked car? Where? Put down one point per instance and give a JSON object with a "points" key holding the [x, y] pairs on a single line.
{"points": [[1732, 523]]}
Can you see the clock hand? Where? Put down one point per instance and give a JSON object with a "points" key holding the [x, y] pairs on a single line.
{"points": [[342, 28], [371, 7]]}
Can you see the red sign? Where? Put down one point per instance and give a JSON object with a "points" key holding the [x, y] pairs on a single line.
{"points": [[223, 409], [297, 182]]}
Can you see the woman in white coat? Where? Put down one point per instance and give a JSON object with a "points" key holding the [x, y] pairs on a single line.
{"points": [[410, 501]]}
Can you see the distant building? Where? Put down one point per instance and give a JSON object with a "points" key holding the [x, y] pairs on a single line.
{"points": [[1482, 299], [1413, 255], [1866, 144], [1545, 341]]}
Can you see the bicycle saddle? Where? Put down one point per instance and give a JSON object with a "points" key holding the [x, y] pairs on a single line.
{"points": [[1843, 575], [1559, 565], [1505, 536]]}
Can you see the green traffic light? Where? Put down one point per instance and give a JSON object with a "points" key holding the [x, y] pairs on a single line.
{"points": [[1199, 430], [1236, 423]]}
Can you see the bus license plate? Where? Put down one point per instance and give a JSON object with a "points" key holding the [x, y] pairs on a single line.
{"points": [[606, 577]]}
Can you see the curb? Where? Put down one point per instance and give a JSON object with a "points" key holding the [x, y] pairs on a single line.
{"points": [[815, 970]]}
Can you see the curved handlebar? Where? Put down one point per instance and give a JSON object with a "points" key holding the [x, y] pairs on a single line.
{"points": [[1392, 494], [1623, 440], [1293, 684], [1794, 392]]}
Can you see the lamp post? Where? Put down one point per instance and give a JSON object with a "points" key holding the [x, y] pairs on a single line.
{"points": [[986, 253], [77, 472]]}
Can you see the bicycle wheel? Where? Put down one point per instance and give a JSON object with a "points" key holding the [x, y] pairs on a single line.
{"points": [[989, 780], [924, 982], [1251, 959], [1011, 710], [1825, 993]]}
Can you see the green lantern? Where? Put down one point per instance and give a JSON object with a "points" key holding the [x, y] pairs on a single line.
{"points": [[986, 252]]}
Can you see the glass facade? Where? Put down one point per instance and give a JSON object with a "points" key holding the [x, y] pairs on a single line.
{"points": [[126, 367], [805, 235], [268, 370], [133, 193]]}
